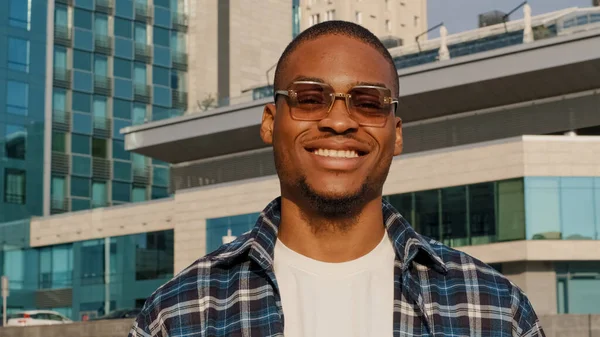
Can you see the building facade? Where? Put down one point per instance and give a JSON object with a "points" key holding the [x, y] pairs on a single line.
{"points": [[74, 73]]}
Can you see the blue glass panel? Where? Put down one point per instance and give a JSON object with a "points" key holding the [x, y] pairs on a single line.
{"points": [[118, 125], [82, 81], [82, 18], [141, 33], [99, 196], [123, 48], [597, 205], [162, 17], [18, 54], [17, 98], [161, 96], [82, 60], [82, 123], [80, 204], [138, 194], [123, 28], [162, 3], [121, 191], [160, 176], [139, 114], [161, 37], [577, 208], [87, 4], [123, 88], [159, 192], [81, 144], [84, 39], [15, 141], [121, 109], [80, 187], [82, 166], [118, 150], [122, 68], [100, 65], [82, 102], [122, 171], [162, 56], [139, 73], [19, 13], [542, 208], [124, 9], [217, 228], [159, 113], [160, 76], [61, 15]]}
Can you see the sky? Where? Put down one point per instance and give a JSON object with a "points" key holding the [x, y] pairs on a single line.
{"points": [[462, 15]]}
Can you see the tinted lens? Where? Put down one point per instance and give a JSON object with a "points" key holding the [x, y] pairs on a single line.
{"points": [[370, 106], [311, 101]]}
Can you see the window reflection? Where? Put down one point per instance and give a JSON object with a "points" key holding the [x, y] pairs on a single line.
{"points": [[154, 255], [15, 141]]}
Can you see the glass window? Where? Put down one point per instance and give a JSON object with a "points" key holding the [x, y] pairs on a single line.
{"points": [[123, 88], [160, 76], [92, 262], [82, 102], [83, 81], [78, 204], [121, 191], [138, 194], [403, 203], [81, 165], [121, 108], [542, 207], [159, 192], [59, 100], [154, 255], [454, 216], [14, 269], [100, 65], [139, 73], [122, 171], [123, 28], [59, 141], [217, 228], [82, 60], [15, 141], [160, 176], [124, 9], [511, 210], [162, 3], [123, 48], [578, 287], [80, 144], [80, 187], [141, 35], [427, 213], [56, 267], [19, 13], [100, 24], [61, 15], [161, 36], [99, 147], [161, 96], [14, 186], [139, 114], [482, 216], [84, 39], [118, 150], [178, 41], [99, 197], [159, 113], [18, 54], [58, 191], [178, 81], [82, 18], [17, 98], [577, 209], [119, 124], [161, 56], [82, 123], [99, 106], [139, 161], [122, 68], [60, 58]]}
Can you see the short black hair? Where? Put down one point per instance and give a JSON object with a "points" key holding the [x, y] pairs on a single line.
{"points": [[335, 27]]}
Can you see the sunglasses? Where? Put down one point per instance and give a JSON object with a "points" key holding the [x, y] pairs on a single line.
{"points": [[366, 104]]}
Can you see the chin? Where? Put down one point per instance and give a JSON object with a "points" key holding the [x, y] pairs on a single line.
{"points": [[335, 200]]}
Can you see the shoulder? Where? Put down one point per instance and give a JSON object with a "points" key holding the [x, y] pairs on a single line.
{"points": [[485, 287]]}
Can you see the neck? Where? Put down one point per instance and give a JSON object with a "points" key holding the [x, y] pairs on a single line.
{"points": [[331, 240]]}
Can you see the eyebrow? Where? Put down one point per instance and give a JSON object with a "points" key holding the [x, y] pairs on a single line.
{"points": [[353, 84]]}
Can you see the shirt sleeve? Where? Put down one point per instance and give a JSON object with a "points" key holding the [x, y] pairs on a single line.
{"points": [[525, 321], [141, 327]]}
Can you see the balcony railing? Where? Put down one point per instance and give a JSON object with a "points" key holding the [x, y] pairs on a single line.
{"points": [[142, 12], [180, 22], [180, 61], [103, 44], [59, 205], [179, 99], [62, 77], [102, 127], [142, 52], [102, 85], [104, 6], [63, 35], [61, 120], [141, 93], [141, 175], [60, 162], [101, 168]]}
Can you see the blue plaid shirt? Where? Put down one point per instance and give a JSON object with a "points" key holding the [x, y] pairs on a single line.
{"points": [[439, 291]]}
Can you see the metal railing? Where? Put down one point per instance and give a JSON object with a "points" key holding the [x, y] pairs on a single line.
{"points": [[141, 93], [14, 198], [142, 52], [141, 175], [101, 168], [61, 120], [103, 44], [59, 205], [60, 162], [180, 60], [179, 99], [102, 127], [142, 12], [102, 85], [180, 22], [63, 35], [104, 6], [62, 77]]}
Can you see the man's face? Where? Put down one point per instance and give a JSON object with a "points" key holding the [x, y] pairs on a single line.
{"points": [[303, 149]]}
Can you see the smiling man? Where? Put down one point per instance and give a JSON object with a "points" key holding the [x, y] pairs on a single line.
{"points": [[330, 257]]}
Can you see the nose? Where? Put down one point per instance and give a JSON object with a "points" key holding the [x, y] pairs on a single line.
{"points": [[338, 120]]}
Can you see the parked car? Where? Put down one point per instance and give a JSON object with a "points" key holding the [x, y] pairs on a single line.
{"points": [[36, 317], [120, 314]]}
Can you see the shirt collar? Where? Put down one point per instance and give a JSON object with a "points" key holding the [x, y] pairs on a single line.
{"points": [[408, 244]]}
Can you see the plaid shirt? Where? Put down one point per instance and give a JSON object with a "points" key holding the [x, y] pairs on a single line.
{"points": [[439, 291]]}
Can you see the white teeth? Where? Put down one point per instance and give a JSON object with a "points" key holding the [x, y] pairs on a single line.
{"points": [[336, 153]]}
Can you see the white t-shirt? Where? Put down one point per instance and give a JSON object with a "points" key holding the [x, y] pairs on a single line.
{"points": [[320, 299]]}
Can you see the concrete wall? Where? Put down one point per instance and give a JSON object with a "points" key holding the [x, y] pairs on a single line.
{"points": [[554, 326]]}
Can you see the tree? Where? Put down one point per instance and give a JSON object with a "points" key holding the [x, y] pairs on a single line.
{"points": [[209, 102]]}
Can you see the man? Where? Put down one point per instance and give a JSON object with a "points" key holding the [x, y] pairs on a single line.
{"points": [[330, 257]]}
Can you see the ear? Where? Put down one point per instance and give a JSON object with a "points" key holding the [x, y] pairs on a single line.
{"points": [[268, 120], [399, 145]]}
